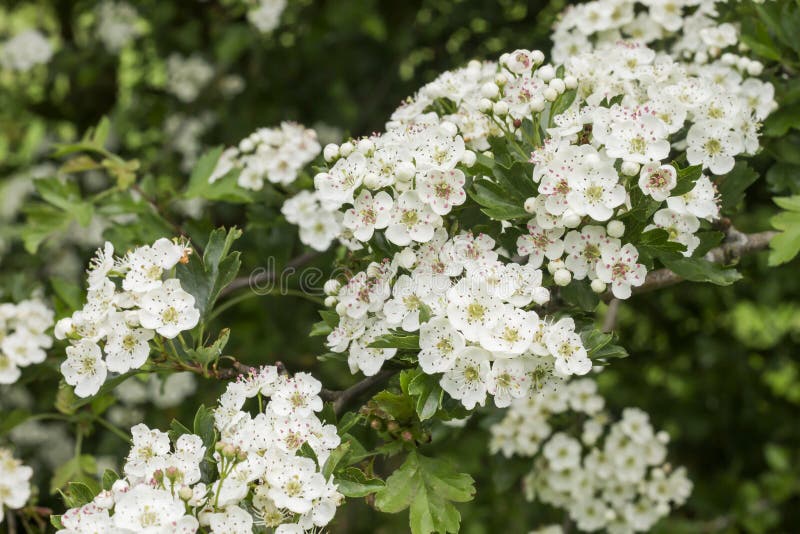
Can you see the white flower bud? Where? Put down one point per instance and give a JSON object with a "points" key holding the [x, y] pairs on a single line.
{"points": [[598, 286], [615, 228], [541, 295], [701, 57], [330, 302], [558, 84], [490, 90], [246, 145], [469, 158], [500, 79], [743, 63], [546, 73], [450, 128], [537, 56], [330, 152], [549, 94], [185, 493], [663, 437], [104, 500], [63, 328], [570, 219], [485, 105], [332, 287], [629, 168], [341, 309], [755, 68], [530, 205], [346, 149], [500, 108], [729, 59], [406, 258], [372, 181], [537, 103], [562, 277], [404, 171], [571, 82], [474, 64], [555, 265], [365, 146]]}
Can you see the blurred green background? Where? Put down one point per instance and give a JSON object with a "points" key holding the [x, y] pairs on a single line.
{"points": [[716, 367]]}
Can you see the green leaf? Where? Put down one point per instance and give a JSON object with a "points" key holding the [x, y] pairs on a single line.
{"points": [[65, 195], [77, 469], [352, 482], [212, 353], [55, 520], [600, 347], [224, 189], [786, 245], [700, 270], [495, 201], [733, 185], [109, 477], [426, 392], [335, 457], [562, 103], [396, 405], [176, 430], [687, 177], [204, 426], [206, 278], [428, 487], [579, 293], [397, 339], [42, 222], [655, 243]]}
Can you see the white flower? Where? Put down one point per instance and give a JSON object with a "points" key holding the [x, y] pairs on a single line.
{"points": [[512, 334], [702, 201], [442, 190], [25, 50], [169, 310], [567, 348], [466, 380], [562, 452], [336, 187], [152, 511], [411, 220], [147, 264], [713, 145], [368, 214], [295, 483], [508, 380], [539, 243], [680, 227], [84, 368], [15, 486], [149, 446], [642, 139], [583, 250], [472, 310], [127, 348], [299, 396], [410, 294], [233, 520], [658, 180], [100, 266], [439, 345], [618, 267]]}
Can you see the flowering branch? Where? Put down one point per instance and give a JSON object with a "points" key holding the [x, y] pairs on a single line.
{"points": [[369, 385], [737, 245]]}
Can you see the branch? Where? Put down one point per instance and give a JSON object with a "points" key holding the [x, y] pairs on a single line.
{"points": [[256, 279], [737, 244], [366, 387]]}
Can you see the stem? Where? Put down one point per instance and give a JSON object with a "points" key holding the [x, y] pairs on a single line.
{"points": [[233, 301], [118, 432]]}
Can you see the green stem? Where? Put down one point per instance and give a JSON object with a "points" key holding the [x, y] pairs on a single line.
{"points": [[118, 432], [250, 294]]}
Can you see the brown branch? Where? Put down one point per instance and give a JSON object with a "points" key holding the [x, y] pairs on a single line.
{"points": [[255, 279], [737, 244], [610, 320], [364, 388]]}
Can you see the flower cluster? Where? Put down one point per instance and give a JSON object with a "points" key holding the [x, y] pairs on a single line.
{"points": [[25, 50], [472, 312], [187, 76], [274, 154], [265, 15], [612, 476], [117, 25], [22, 336], [14, 482], [259, 480], [130, 301]]}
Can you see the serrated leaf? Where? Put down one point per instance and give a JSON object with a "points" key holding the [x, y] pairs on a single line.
{"points": [[732, 186], [785, 245], [109, 477], [700, 270], [579, 293], [495, 202], [225, 188], [204, 426], [686, 179], [396, 340], [428, 487], [176, 430], [352, 482], [427, 394]]}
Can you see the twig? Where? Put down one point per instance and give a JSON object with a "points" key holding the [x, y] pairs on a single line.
{"points": [[610, 320], [256, 279], [366, 387], [736, 245]]}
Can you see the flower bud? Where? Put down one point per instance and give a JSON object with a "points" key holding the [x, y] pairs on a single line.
{"points": [[449, 128], [330, 152], [615, 228], [346, 148], [469, 158], [555, 265], [365, 146], [332, 287], [185, 493], [330, 302], [341, 309], [490, 90], [598, 286], [404, 171], [485, 105], [570, 219], [372, 181], [392, 426], [537, 56], [530, 205], [755, 68], [407, 436], [629, 168], [500, 79], [546, 73], [562, 277], [558, 85], [406, 258], [571, 82], [228, 450], [500, 108], [375, 424], [549, 94], [537, 103], [246, 145]]}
